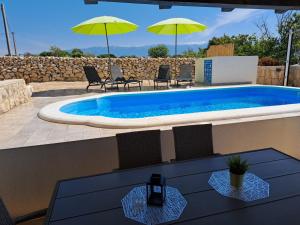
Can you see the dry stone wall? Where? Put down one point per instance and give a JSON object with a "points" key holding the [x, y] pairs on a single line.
{"points": [[13, 93], [271, 75], [274, 75], [41, 69]]}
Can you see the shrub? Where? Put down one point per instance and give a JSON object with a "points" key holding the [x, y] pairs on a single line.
{"points": [[89, 55], [106, 56], [28, 54], [77, 53], [237, 165], [190, 53], [45, 53], [158, 51], [55, 51], [128, 56], [268, 61]]}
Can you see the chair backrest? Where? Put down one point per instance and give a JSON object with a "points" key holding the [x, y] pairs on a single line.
{"points": [[91, 74], [138, 149], [5, 218], [193, 141], [186, 71], [164, 72], [116, 73]]}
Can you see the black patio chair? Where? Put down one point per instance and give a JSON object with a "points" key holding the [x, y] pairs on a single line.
{"points": [[35, 218], [138, 149], [118, 78], [185, 74], [194, 141], [164, 75], [93, 77]]}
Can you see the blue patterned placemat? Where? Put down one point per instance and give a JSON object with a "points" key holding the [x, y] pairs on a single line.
{"points": [[135, 206], [253, 187]]}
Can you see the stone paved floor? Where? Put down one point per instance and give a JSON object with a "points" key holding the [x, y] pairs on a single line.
{"points": [[21, 126]]}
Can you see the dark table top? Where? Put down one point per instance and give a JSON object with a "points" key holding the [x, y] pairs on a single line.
{"points": [[96, 200]]}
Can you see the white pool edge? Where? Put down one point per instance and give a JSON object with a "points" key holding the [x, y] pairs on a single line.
{"points": [[52, 113]]}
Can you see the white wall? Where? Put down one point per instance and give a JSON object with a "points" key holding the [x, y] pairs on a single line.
{"points": [[234, 69]]}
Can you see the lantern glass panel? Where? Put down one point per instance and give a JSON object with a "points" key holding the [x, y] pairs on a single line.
{"points": [[156, 190]]}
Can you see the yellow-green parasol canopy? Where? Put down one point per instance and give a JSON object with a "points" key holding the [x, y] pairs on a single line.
{"points": [[104, 25], [176, 26]]}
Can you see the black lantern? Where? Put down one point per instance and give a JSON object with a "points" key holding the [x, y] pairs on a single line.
{"points": [[156, 190]]}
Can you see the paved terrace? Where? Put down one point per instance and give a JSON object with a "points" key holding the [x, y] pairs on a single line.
{"points": [[21, 126]]}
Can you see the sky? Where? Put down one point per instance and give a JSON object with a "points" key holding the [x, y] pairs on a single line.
{"points": [[40, 24]]}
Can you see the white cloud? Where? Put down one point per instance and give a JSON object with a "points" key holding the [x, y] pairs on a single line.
{"points": [[228, 18], [223, 20], [194, 42]]}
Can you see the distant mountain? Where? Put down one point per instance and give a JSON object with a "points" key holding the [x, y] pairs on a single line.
{"points": [[138, 51]]}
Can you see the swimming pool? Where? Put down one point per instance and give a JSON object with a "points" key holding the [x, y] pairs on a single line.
{"points": [[141, 109]]}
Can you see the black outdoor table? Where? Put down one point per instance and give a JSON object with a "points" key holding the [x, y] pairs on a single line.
{"points": [[96, 200]]}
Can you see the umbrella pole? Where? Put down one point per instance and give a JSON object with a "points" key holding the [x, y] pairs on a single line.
{"points": [[108, 52], [175, 50]]}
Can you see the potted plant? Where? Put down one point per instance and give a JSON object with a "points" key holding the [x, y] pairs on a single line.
{"points": [[237, 168]]}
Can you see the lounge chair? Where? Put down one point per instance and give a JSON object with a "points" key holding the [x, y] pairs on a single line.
{"points": [[138, 149], [194, 141], [36, 218], [93, 77], [185, 74], [118, 78], [163, 75]]}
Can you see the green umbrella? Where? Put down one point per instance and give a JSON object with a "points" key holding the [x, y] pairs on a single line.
{"points": [[105, 25], [176, 26]]}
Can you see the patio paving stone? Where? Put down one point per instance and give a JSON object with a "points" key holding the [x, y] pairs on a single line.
{"points": [[22, 127]]}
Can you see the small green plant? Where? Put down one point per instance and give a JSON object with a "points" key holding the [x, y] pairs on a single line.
{"points": [[237, 165]]}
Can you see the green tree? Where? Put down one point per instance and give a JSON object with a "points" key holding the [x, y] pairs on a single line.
{"points": [[190, 53], [57, 52], [45, 53], [287, 21], [244, 44], [158, 51], [77, 53], [28, 54], [106, 56], [266, 47], [89, 55], [275, 45], [128, 56], [225, 39]]}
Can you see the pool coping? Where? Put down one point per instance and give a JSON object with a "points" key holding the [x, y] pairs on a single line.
{"points": [[52, 113]]}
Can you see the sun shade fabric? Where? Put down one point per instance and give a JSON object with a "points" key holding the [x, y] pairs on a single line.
{"points": [[96, 26], [193, 141], [138, 149], [116, 73], [186, 71], [184, 26], [91, 74], [163, 72]]}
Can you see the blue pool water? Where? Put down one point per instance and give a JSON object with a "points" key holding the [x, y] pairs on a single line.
{"points": [[150, 104]]}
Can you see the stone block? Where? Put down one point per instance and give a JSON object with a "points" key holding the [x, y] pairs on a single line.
{"points": [[13, 93]]}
